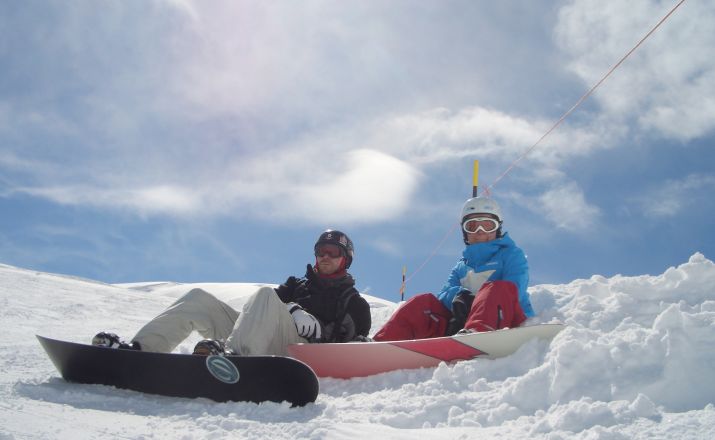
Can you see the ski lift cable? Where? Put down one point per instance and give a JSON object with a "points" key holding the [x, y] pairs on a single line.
{"points": [[578, 103], [581, 99], [431, 255]]}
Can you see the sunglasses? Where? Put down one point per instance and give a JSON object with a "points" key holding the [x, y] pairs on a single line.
{"points": [[485, 224], [330, 250]]}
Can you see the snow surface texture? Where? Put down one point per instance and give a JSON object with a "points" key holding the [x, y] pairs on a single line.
{"points": [[636, 361]]}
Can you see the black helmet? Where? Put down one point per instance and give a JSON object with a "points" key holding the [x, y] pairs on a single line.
{"points": [[331, 236]]}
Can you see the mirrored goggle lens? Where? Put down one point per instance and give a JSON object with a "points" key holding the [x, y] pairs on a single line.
{"points": [[485, 224], [331, 250]]}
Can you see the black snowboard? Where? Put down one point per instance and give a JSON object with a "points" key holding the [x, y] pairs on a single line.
{"points": [[219, 378]]}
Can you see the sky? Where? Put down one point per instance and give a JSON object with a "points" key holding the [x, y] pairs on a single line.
{"points": [[213, 141]]}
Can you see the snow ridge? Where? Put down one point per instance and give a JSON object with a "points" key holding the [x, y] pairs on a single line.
{"points": [[634, 362]]}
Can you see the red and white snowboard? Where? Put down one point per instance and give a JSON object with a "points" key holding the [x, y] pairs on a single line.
{"points": [[357, 359]]}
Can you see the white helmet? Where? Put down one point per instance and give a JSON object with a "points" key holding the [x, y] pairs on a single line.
{"points": [[481, 205]]}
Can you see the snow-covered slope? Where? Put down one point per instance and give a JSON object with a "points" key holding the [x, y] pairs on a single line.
{"points": [[636, 361]]}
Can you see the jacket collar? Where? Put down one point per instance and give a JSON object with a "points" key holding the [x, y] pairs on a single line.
{"points": [[481, 252]]}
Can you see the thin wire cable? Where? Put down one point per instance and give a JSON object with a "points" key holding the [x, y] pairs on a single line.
{"points": [[578, 103], [434, 252], [581, 100]]}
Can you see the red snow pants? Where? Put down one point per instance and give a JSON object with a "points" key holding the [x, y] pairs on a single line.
{"points": [[424, 316], [496, 306]]}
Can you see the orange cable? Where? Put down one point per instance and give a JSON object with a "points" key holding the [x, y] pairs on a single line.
{"points": [[582, 99], [560, 120]]}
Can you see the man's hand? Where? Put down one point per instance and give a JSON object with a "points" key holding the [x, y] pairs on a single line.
{"points": [[307, 325]]}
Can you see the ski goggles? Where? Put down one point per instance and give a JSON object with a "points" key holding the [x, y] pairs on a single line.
{"points": [[331, 250], [484, 224]]}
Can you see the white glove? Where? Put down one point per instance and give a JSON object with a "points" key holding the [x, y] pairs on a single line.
{"points": [[306, 324]]}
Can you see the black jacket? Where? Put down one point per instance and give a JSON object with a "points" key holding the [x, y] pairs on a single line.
{"points": [[342, 312]]}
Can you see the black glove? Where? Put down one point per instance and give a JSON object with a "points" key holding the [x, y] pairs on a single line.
{"points": [[310, 273], [461, 305], [291, 283], [286, 291]]}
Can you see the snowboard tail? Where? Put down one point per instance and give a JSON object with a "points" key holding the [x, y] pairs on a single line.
{"points": [[356, 359], [219, 378]]}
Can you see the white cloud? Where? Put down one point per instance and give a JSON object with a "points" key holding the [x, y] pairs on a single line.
{"points": [[668, 84], [254, 108], [442, 135], [361, 186], [148, 200], [371, 186], [387, 246], [674, 196], [566, 207]]}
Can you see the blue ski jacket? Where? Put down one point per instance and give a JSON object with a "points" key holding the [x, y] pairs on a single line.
{"points": [[499, 259]]}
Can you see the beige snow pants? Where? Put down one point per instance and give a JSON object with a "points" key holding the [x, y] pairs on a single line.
{"points": [[264, 327]]}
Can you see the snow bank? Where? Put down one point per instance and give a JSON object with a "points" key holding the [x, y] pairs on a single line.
{"points": [[635, 361], [646, 337]]}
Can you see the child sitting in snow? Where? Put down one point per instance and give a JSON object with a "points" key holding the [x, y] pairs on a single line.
{"points": [[485, 291]]}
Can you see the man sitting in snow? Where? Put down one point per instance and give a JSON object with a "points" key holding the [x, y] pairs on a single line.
{"points": [[485, 291], [323, 306]]}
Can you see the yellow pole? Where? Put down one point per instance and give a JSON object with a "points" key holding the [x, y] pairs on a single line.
{"points": [[475, 179]]}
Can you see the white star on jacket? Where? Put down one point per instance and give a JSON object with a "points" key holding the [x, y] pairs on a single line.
{"points": [[473, 281]]}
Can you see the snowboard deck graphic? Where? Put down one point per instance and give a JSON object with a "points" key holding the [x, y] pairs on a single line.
{"points": [[230, 378], [356, 359]]}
